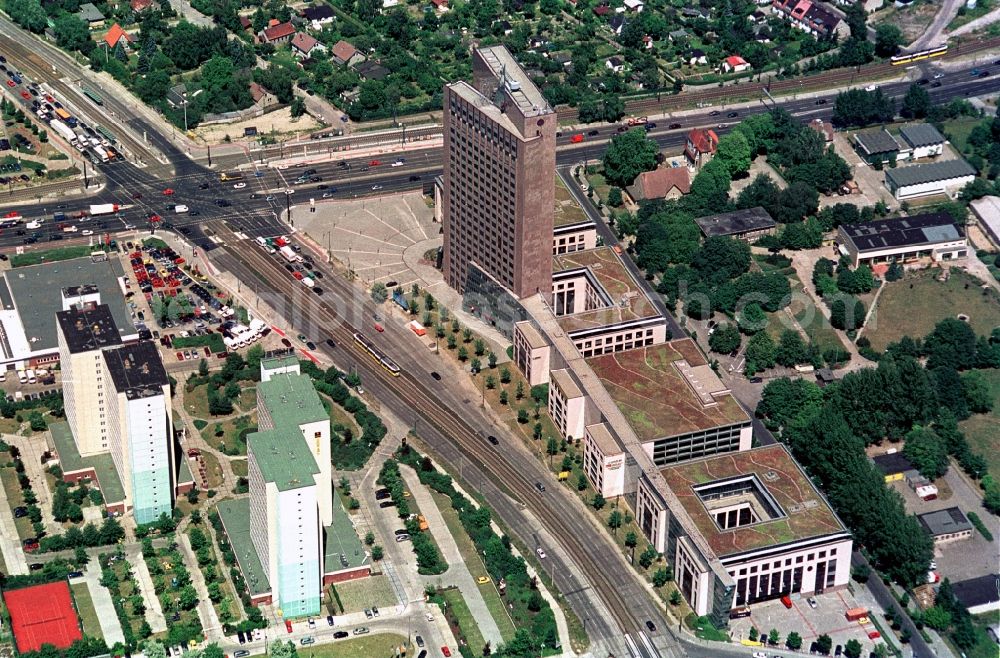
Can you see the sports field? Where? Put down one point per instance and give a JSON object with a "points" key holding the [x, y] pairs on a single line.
{"points": [[43, 614]]}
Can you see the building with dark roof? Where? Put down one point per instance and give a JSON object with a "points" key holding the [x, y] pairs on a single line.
{"points": [[88, 329], [749, 224], [932, 236], [137, 370], [371, 70], [946, 525], [319, 15], [893, 465], [923, 140], [879, 146], [927, 179], [980, 595]]}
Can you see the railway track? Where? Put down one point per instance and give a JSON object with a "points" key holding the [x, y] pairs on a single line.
{"points": [[446, 421], [828, 78]]}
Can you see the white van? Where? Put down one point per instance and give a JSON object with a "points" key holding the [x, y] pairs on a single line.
{"points": [[261, 242], [22, 376], [31, 376]]}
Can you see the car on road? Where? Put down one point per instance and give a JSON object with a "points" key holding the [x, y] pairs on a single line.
{"points": [[87, 232], [936, 84], [974, 72], [733, 115], [289, 192], [984, 74], [340, 635], [368, 613], [326, 195], [396, 164], [204, 186], [483, 580], [812, 602], [713, 113], [311, 345], [241, 653], [540, 487], [288, 626], [756, 380], [759, 654], [329, 620], [168, 192], [493, 440], [420, 641], [361, 630], [576, 139], [375, 611], [414, 178], [306, 641], [330, 342], [302, 338], [436, 375], [11, 83], [674, 126], [938, 76], [386, 503], [540, 552], [376, 187], [820, 101], [593, 133], [446, 652], [375, 163], [25, 95], [239, 186], [651, 626], [311, 622], [379, 328]]}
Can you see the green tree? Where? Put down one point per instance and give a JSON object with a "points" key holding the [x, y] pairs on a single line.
{"points": [[791, 349], [598, 502], [857, 21], [916, 102], [734, 151], [751, 319], [760, 353], [615, 197], [927, 452], [615, 521], [857, 107], [661, 577], [725, 339], [937, 618], [628, 155], [888, 39], [377, 553], [379, 293], [774, 637], [793, 641], [852, 648], [824, 642], [73, 34]]}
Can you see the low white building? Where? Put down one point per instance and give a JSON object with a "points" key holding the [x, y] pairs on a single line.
{"points": [[923, 140], [929, 179], [987, 211], [931, 237]]}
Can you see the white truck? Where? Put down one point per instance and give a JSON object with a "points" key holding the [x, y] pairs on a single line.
{"points": [[181, 209], [289, 254], [103, 209], [64, 131]]}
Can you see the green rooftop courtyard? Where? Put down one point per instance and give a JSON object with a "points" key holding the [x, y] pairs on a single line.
{"points": [[235, 515], [802, 513], [654, 396], [103, 465]]}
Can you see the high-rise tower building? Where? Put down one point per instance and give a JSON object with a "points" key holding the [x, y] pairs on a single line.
{"points": [[499, 177]]}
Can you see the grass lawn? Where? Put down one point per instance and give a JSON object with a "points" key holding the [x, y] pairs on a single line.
{"points": [[985, 647], [229, 442], [213, 471], [356, 595], [458, 611], [196, 401], [248, 398], [957, 130], [239, 467], [372, 646], [51, 255], [476, 567], [812, 320], [982, 430], [14, 499], [903, 307], [600, 185], [85, 608], [213, 340]]}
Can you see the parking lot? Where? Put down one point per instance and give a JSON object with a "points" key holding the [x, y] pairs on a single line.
{"points": [[828, 617], [381, 240]]}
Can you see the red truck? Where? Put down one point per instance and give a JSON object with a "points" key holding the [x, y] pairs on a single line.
{"points": [[855, 614]]}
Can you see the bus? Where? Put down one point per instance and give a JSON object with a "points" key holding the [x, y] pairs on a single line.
{"points": [[230, 176], [387, 364], [909, 58], [63, 114], [107, 134], [92, 95]]}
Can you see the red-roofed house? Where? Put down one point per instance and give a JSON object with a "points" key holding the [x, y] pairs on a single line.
{"points": [[279, 33], [262, 98], [735, 64], [662, 183], [822, 128], [116, 35], [303, 45], [246, 23], [602, 10], [140, 5], [700, 146], [344, 53], [440, 6]]}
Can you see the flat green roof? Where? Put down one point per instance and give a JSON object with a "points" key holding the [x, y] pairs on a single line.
{"points": [[342, 539], [279, 362], [235, 515], [71, 461], [291, 400], [283, 457], [36, 292]]}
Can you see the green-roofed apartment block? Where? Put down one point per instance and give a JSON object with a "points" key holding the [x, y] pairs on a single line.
{"points": [[288, 537]]}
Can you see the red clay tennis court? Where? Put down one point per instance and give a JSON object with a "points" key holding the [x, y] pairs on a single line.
{"points": [[43, 614]]}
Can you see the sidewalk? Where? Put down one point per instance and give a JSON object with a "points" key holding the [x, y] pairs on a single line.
{"points": [[111, 627], [154, 613], [458, 572], [206, 611]]}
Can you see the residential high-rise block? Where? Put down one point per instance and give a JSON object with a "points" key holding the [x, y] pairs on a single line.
{"points": [[117, 401], [499, 177]]}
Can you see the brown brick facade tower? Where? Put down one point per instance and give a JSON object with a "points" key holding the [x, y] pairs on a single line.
{"points": [[499, 177]]}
